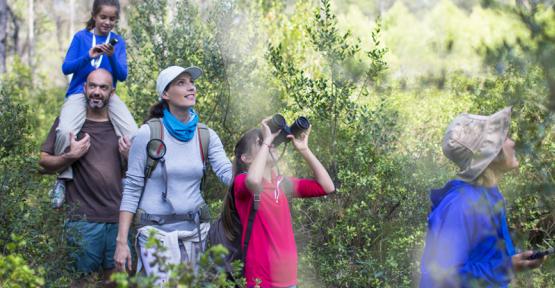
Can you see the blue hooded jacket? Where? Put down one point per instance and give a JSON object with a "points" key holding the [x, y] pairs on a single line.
{"points": [[468, 242]]}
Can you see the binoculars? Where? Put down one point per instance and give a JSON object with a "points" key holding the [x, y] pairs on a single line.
{"points": [[278, 122]]}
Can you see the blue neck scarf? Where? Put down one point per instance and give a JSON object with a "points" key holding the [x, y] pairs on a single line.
{"points": [[179, 130]]}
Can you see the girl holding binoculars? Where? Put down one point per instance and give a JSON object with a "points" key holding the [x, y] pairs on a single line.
{"points": [[271, 255]]}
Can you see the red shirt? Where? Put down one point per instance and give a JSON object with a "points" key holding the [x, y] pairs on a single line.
{"points": [[272, 252]]}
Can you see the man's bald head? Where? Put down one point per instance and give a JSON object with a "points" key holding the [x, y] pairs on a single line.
{"points": [[101, 75]]}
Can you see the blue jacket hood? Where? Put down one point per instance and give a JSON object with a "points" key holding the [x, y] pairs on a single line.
{"points": [[436, 195]]}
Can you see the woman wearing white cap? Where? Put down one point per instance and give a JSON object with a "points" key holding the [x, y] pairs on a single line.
{"points": [[468, 242], [169, 202]]}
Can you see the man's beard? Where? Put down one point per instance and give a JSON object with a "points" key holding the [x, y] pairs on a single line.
{"points": [[96, 103]]}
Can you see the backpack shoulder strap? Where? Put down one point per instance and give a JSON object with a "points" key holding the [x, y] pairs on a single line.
{"points": [[156, 132], [254, 207], [252, 213], [204, 141], [248, 232]]}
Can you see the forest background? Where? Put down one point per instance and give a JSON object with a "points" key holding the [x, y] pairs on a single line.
{"points": [[379, 80]]}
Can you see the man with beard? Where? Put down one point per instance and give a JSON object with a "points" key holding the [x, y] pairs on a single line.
{"points": [[93, 197]]}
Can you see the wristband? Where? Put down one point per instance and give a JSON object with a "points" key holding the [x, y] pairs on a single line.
{"points": [[269, 145]]}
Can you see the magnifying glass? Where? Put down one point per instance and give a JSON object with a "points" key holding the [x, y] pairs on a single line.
{"points": [[156, 149]]}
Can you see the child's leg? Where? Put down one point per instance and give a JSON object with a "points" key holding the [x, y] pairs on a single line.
{"points": [[121, 118], [72, 118]]}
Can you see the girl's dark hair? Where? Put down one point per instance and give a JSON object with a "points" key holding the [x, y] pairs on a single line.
{"points": [[242, 147], [97, 6]]}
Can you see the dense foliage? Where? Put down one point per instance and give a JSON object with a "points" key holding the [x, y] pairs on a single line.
{"points": [[379, 92]]}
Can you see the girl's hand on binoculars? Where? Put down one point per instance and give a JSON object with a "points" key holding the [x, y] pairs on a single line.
{"points": [[267, 135], [301, 143]]}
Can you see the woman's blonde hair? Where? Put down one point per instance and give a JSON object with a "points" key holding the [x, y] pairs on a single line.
{"points": [[490, 176]]}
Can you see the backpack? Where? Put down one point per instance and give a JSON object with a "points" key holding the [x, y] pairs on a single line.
{"points": [[216, 234]]}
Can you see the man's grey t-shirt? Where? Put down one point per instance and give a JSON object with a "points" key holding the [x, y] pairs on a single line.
{"points": [[94, 194]]}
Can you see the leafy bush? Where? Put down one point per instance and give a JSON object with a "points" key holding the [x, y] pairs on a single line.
{"points": [[31, 230], [210, 273], [14, 271]]}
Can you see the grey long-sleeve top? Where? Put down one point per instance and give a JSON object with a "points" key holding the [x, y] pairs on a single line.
{"points": [[184, 170]]}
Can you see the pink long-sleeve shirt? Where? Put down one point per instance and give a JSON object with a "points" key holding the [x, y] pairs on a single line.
{"points": [[272, 253]]}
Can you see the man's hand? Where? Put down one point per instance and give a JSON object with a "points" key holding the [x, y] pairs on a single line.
{"points": [[521, 261], [78, 148], [124, 146]]}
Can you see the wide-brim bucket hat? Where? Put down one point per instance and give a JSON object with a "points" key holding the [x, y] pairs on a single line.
{"points": [[474, 141], [169, 74]]}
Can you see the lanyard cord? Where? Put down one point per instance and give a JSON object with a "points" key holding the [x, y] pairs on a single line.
{"points": [[165, 178], [275, 161], [96, 62]]}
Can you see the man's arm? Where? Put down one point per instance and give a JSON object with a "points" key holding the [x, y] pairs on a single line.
{"points": [[55, 163]]}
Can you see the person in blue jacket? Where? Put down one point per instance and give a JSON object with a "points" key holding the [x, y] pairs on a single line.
{"points": [[468, 242], [90, 49]]}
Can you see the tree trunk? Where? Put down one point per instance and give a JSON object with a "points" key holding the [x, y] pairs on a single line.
{"points": [[31, 55], [3, 34], [171, 8], [15, 34], [71, 18]]}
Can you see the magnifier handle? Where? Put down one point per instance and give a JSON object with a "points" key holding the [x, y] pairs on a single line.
{"points": [[165, 177]]}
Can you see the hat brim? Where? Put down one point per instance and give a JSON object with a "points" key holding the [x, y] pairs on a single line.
{"points": [[194, 71], [494, 135]]}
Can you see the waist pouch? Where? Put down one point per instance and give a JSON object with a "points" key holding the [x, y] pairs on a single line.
{"points": [[199, 215]]}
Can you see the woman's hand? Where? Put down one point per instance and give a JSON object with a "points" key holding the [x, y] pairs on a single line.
{"points": [[122, 256], [522, 263], [301, 143], [267, 135]]}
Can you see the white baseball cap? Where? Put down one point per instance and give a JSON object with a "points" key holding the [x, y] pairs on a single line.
{"points": [[169, 74]]}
